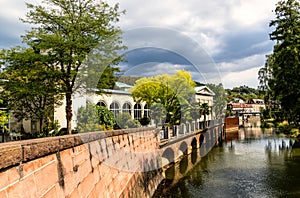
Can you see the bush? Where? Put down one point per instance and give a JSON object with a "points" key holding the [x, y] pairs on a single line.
{"points": [[285, 128], [124, 121], [94, 118], [145, 121]]}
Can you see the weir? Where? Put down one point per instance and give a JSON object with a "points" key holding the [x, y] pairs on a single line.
{"points": [[119, 163]]}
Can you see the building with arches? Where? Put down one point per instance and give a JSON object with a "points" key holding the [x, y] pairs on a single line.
{"points": [[117, 100]]}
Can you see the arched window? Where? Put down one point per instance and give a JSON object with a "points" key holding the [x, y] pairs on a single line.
{"points": [[126, 108], [114, 107], [101, 104], [137, 111], [146, 111]]}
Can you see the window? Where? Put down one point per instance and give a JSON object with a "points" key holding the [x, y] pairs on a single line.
{"points": [[101, 104], [126, 108], [137, 111], [146, 111], [114, 107]]}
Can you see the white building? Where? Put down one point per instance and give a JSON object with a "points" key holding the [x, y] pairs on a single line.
{"points": [[117, 100]]}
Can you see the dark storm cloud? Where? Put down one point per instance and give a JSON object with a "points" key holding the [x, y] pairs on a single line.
{"points": [[151, 54], [153, 44], [244, 44]]}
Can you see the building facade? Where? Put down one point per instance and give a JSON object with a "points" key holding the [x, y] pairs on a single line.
{"points": [[116, 100]]}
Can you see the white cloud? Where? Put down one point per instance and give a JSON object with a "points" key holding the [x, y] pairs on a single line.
{"points": [[214, 25], [252, 13], [242, 64], [235, 79]]}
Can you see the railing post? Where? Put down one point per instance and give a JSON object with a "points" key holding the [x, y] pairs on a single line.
{"points": [[166, 132], [174, 128], [192, 127], [183, 128]]}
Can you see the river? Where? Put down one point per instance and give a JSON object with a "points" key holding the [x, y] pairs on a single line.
{"points": [[251, 163]]}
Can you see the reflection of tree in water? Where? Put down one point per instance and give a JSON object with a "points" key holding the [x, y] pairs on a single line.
{"points": [[283, 159]]}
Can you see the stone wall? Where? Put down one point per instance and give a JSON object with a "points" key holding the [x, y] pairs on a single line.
{"points": [[119, 163]]}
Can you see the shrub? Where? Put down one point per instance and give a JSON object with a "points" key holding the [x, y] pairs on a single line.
{"points": [[124, 121]]}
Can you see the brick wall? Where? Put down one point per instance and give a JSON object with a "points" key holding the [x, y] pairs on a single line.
{"points": [[100, 164]]}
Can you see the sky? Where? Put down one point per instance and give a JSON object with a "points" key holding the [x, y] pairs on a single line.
{"points": [[217, 41]]}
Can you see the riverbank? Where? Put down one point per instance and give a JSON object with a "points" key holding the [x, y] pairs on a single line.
{"points": [[284, 127]]}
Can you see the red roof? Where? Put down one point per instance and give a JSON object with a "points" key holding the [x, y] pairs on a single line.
{"points": [[241, 105]]}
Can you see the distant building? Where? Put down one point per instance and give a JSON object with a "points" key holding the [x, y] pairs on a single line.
{"points": [[257, 104], [252, 106], [240, 108]]}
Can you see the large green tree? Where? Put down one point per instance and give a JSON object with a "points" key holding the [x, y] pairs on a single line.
{"points": [[29, 87], [285, 65], [67, 31], [173, 92]]}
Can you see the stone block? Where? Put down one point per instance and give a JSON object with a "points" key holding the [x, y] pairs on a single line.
{"points": [[9, 176], [10, 155], [86, 186], [46, 178], [26, 188]]}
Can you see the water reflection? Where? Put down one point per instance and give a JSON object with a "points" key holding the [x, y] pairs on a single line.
{"points": [[252, 163]]}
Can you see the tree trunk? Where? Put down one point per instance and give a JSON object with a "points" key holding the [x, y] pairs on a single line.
{"points": [[41, 125], [69, 112]]}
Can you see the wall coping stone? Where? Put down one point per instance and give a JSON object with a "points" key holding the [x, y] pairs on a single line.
{"points": [[17, 152]]}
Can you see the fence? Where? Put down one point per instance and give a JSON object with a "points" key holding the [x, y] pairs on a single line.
{"points": [[186, 128]]}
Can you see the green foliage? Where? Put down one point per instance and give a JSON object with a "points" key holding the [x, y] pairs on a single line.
{"points": [[53, 127], [195, 111], [124, 121], [174, 93], [243, 92], [3, 119], [204, 110], [282, 69], [30, 88], [108, 78], [87, 119], [66, 32], [158, 113], [129, 80], [94, 118], [105, 118], [219, 105], [145, 121]]}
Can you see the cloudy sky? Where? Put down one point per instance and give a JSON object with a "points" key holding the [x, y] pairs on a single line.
{"points": [[217, 40]]}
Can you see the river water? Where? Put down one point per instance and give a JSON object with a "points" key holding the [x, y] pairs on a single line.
{"points": [[252, 163]]}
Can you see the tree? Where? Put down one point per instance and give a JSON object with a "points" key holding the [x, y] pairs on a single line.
{"points": [[285, 65], [204, 110], [67, 31], [30, 88], [219, 104], [174, 93], [158, 113]]}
